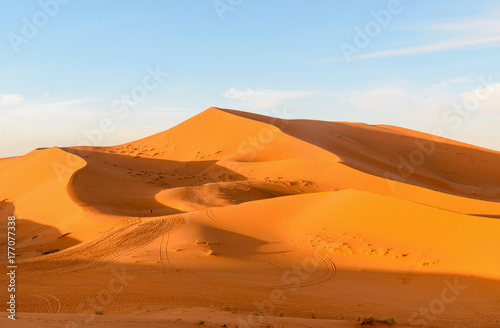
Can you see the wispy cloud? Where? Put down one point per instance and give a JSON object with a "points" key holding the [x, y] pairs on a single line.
{"points": [[472, 25], [42, 110], [433, 100], [264, 98], [454, 33], [9, 100], [492, 41]]}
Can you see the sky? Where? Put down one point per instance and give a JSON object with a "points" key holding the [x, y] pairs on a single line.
{"points": [[109, 72]]}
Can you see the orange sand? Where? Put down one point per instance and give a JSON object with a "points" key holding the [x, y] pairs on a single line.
{"points": [[233, 209]]}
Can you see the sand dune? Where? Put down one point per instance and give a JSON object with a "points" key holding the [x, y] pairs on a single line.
{"points": [[238, 212]]}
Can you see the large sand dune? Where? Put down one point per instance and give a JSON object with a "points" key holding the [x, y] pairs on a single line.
{"points": [[261, 215]]}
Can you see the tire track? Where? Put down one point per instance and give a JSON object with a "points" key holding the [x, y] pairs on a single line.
{"points": [[329, 270], [144, 233], [214, 219], [58, 302], [162, 259], [50, 299], [277, 270], [111, 246], [46, 301], [166, 251]]}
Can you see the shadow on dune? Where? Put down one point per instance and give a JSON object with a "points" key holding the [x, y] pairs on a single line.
{"points": [[7, 209], [492, 216], [381, 151], [233, 244], [124, 185], [34, 239], [42, 239]]}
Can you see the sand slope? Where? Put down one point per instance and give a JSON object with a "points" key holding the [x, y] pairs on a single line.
{"points": [[267, 215]]}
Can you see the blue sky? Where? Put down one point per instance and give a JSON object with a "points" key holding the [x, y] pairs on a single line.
{"points": [[145, 66]]}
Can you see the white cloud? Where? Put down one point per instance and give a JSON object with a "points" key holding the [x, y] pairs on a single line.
{"points": [[440, 102], [383, 99], [459, 80], [49, 111], [8, 100], [182, 86], [491, 41], [486, 24], [403, 97], [456, 33], [264, 98], [163, 110], [52, 113], [484, 100]]}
